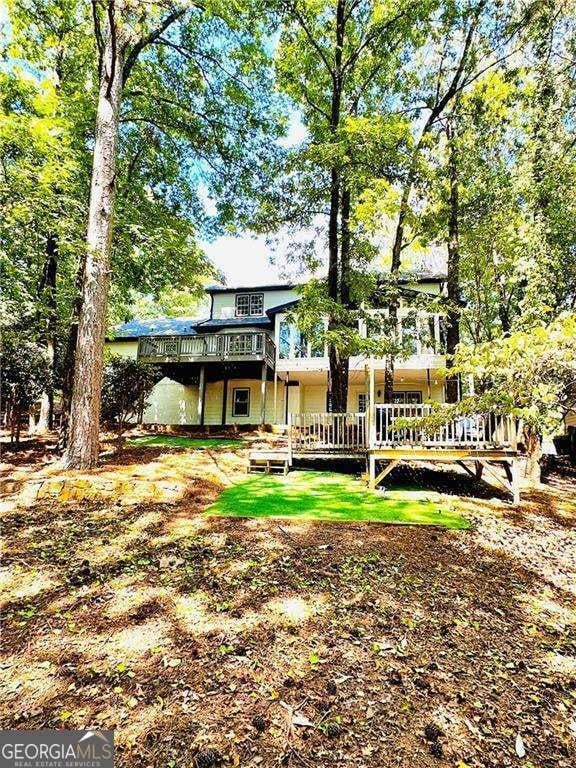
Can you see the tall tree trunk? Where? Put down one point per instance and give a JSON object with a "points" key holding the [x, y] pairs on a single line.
{"points": [[48, 296], [338, 379], [339, 367], [83, 437], [533, 455], [70, 356], [397, 247], [453, 281], [440, 105]]}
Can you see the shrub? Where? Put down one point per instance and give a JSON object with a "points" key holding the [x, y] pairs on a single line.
{"points": [[127, 383], [24, 375]]}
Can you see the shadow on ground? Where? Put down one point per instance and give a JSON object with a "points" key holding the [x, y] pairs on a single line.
{"points": [[183, 633]]}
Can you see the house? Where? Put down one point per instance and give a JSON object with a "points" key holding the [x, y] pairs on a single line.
{"points": [[247, 363]]}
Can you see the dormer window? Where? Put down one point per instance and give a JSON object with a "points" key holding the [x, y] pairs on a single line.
{"points": [[249, 304]]}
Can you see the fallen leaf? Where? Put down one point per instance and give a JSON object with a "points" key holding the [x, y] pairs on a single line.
{"points": [[301, 720], [520, 750]]}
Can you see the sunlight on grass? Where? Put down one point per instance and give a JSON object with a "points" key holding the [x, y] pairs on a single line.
{"points": [[329, 496], [181, 441]]}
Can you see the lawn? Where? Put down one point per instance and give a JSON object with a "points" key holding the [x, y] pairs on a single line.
{"points": [[181, 441], [331, 497]]}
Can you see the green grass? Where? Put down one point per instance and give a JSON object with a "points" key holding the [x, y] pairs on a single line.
{"points": [[180, 441], [331, 497]]}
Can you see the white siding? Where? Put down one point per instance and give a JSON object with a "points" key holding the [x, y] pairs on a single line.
{"points": [[224, 304], [172, 403], [122, 348], [213, 407], [314, 398]]}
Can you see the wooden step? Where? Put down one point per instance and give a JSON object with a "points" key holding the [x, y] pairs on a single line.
{"points": [[269, 462]]}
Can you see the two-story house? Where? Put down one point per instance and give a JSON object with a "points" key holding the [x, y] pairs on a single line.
{"points": [[247, 363]]}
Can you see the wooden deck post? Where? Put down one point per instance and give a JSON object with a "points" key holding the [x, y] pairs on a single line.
{"points": [[201, 395], [289, 423], [371, 471], [263, 394], [224, 400], [515, 469], [371, 407]]}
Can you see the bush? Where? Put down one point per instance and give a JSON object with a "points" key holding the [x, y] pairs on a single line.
{"points": [[127, 383], [24, 375]]}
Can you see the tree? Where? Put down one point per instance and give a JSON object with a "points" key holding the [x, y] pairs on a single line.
{"points": [[46, 121], [337, 62], [126, 385], [23, 376], [528, 374], [193, 120], [129, 35]]}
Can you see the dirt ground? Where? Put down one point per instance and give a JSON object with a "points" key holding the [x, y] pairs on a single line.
{"points": [[261, 643]]}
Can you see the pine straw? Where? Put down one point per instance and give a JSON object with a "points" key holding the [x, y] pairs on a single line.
{"points": [[180, 629]]}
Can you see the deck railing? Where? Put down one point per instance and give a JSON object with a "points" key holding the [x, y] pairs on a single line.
{"points": [[486, 430], [327, 432], [206, 347], [386, 427]]}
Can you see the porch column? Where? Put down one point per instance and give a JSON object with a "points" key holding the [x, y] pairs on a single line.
{"points": [[201, 395], [371, 405], [263, 394], [286, 389], [224, 400], [428, 384], [275, 416]]}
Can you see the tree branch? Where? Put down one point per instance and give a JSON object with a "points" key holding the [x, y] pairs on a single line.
{"points": [[312, 39], [148, 39]]}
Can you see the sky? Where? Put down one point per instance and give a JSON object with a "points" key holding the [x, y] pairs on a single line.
{"points": [[246, 260]]}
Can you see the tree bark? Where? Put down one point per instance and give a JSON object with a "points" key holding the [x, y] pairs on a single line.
{"points": [[48, 296], [83, 436], [339, 364], [453, 281], [533, 455], [398, 244], [338, 379]]}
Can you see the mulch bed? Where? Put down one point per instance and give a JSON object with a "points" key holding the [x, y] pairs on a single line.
{"points": [[265, 643]]}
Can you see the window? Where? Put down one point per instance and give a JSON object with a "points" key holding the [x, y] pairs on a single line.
{"points": [[245, 344], [410, 333], [284, 340], [410, 398], [428, 335], [241, 402], [362, 402], [292, 343], [249, 304]]}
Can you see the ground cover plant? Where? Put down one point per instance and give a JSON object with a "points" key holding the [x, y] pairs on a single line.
{"points": [[181, 441], [330, 497]]}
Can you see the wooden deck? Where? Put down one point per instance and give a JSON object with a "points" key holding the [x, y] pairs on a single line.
{"points": [[386, 435]]}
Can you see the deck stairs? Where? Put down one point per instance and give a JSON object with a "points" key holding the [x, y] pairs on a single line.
{"points": [[269, 462]]}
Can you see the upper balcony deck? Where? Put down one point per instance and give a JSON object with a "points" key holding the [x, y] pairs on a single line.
{"points": [[206, 348]]}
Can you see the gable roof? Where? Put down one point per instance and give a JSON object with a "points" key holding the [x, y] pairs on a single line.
{"points": [[159, 326], [250, 288], [216, 323]]}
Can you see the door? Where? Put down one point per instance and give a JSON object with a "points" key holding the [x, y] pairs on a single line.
{"points": [[292, 399]]}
